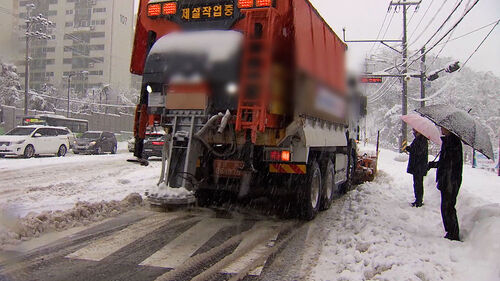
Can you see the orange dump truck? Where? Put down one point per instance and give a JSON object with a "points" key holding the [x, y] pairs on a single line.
{"points": [[253, 96]]}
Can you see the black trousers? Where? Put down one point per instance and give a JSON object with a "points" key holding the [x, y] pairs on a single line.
{"points": [[138, 148], [418, 188], [448, 211]]}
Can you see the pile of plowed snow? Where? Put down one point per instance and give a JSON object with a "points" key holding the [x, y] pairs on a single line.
{"points": [[13, 231], [374, 233]]}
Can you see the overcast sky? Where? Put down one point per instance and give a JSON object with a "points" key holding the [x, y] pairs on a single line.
{"points": [[363, 18]]}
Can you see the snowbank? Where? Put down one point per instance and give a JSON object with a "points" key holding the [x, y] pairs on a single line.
{"points": [[13, 231], [374, 234], [90, 178]]}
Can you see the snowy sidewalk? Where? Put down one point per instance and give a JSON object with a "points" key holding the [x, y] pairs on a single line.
{"points": [[377, 235], [51, 184]]}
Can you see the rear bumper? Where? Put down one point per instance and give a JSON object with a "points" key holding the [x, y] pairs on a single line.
{"points": [[79, 149], [152, 151]]}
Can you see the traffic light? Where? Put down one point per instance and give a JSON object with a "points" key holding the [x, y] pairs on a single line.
{"points": [[453, 67]]}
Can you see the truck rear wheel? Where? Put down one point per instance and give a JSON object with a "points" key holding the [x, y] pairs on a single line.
{"points": [[351, 169], [310, 194], [330, 190]]}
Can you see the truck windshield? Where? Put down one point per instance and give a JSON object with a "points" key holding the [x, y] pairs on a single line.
{"points": [[20, 131]]}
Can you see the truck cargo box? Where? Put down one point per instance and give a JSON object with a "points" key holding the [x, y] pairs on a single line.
{"points": [[308, 57]]}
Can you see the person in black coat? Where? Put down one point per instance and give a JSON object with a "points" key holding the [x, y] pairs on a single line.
{"points": [[449, 178], [417, 166]]}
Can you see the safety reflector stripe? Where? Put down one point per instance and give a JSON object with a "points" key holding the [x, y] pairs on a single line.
{"points": [[287, 169]]}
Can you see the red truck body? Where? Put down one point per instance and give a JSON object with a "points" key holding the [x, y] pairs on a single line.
{"points": [[317, 50]]}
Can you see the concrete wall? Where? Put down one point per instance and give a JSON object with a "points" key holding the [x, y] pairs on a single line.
{"points": [[11, 117]]}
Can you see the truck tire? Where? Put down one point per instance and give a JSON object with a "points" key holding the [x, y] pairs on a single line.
{"points": [[351, 168], [309, 195], [330, 190]]}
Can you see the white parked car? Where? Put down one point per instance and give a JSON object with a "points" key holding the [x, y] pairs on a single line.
{"points": [[28, 141]]}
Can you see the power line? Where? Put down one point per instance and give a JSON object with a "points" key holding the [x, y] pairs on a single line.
{"points": [[480, 44], [387, 29], [421, 19], [437, 43], [444, 23], [382, 90], [448, 32], [379, 31], [429, 23], [385, 91], [470, 32], [449, 37]]}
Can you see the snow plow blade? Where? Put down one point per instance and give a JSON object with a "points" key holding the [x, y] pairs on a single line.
{"points": [[171, 202], [366, 168]]}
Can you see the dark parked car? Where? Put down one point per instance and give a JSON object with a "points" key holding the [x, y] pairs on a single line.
{"points": [[95, 142], [153, 144]]}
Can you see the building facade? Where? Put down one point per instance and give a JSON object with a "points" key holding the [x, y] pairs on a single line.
{"points": [[90, 36], [9, 21]]}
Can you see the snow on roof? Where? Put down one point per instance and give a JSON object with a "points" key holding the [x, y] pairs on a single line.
{"points": [[218, 45]]}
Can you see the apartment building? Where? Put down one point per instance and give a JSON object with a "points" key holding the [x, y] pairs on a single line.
{"points": [[9, 21], [94, 36]]}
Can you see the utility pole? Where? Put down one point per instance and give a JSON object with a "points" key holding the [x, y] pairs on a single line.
{"points": [[404, 52], [404, 97], [423, 78], [40, 34]]}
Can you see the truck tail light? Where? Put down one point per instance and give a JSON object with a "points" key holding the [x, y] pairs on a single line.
{"points": [[264, 3], [285, 156], [169, 8], [154, 10], [245, 3], [279, 155]]}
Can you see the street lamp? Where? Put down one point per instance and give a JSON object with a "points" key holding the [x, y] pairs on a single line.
{"points": [[69, 86]]}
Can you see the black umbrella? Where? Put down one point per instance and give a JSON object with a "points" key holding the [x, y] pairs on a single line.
{"points": [[462, 124]]}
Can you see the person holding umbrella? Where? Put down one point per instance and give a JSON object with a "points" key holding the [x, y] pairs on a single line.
{"points": [[423, 130], [457, 126], [449, 178], [417, 166]]}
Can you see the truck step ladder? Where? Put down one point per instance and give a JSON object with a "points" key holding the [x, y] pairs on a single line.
{"points": [[256, 71]]}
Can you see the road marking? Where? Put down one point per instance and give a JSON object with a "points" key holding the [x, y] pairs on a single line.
{"points": [[269, 229], [180, 249], [106, 246]]}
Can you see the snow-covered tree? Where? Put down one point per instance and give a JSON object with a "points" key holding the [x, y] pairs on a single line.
{"points": [[9, 85]]}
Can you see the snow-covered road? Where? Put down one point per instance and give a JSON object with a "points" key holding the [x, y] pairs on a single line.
{"points": [[374, 234], [52, 183]]}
